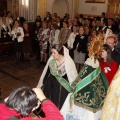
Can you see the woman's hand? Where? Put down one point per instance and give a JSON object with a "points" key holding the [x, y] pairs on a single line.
{"points": [[75, 51], [39, 93]]}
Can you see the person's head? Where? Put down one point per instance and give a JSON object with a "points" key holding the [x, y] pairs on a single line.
{"points": [[25, 25], [87, 21], [57, 53], [110, 22], [93, 32], [38, 18], [8, 14], [80, 15], [16, 23], [98, 22], [93, 23], [3, 18], [58, 19], [23, 100], [103, 15], [54, 26], [37, 23], [44, 25], [47, 14], [17, 14], [111, 41], [81, 30], [87, 30], [55, 15], [76, 19], [116, 35], [76, 28], [65, 24], [107, 53]]}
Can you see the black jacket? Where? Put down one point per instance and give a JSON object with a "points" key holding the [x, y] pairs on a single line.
{"points": [[116, 56], [80, 43]]}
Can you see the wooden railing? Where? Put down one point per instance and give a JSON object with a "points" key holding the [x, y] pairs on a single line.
{"points": [[6, 44]]}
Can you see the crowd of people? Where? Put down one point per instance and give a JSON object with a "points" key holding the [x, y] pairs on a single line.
{"points": [[81, 60]]}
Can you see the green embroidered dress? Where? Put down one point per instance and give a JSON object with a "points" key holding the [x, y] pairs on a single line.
{"points": [[89, 90]]}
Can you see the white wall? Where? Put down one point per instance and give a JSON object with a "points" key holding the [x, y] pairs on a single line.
{"points": [[92, 8], [84, 8], [70, 7]]}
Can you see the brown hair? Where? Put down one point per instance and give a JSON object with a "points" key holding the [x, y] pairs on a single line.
{"points": [[44, 22], [108, 49], [55, 25], [60, 51]]}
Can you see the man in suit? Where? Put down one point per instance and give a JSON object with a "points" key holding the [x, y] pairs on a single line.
{"points": [[103, 17], [111, 42], [98, 24], [111, 25], [21, 19]]}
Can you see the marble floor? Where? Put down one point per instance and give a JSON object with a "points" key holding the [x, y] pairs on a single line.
{"points": [[14, 75]]}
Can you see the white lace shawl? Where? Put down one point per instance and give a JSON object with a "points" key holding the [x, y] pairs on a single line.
{"points": [[69, 66]]}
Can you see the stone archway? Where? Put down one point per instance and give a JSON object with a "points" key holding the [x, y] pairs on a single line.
{"points": [[60, 7]]}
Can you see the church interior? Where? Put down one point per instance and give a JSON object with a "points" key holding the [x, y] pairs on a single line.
{"points": [[24, 53], [13, 75]]}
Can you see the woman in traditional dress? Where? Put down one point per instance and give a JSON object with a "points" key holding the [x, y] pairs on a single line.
{"points": [[108, 66], [57, 76], [89, 89], [111, 107]]}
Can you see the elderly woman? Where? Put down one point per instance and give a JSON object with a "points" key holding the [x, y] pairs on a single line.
{"points": [[27, 43]]}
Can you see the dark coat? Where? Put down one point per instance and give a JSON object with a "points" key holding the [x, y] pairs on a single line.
{"points": [[80, 43]]}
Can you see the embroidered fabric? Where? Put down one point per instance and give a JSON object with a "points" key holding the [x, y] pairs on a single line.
{"points": [[61, 69], [111, 107]]}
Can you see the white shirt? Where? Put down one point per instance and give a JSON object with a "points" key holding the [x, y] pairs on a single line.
{"points": [[18, 30], [71, 39]]}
